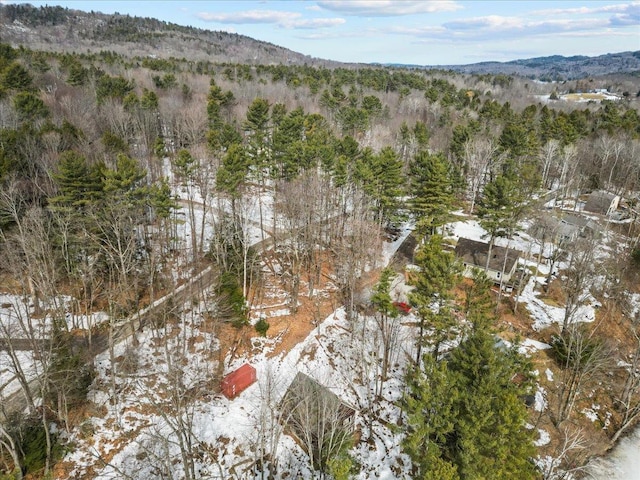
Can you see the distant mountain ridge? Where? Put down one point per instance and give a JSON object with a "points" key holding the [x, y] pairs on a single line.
{"points": [[557, 67], [55, 28]]}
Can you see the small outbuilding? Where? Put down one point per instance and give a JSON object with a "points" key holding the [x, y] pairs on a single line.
{"points": [[602, 203], [402, 307], [237, 381], [316, 418]]}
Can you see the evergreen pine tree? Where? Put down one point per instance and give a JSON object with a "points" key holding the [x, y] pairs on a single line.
{"points": [[125, 182], [490, 439], [431, 410], [381, 298], [432, 297], [431, 190], [478, 304], [16, 77], [232, 173], [497, 207], [78, 183], [288, 141], [465, 414], [387, 184], [256, 127]]}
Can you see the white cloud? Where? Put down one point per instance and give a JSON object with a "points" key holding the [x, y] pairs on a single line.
{"points": [[332, 35], [317, 23], [617, 8], [250, 16], [389, 8], [281, 18], [575, 22], [417, 31], [630, 16], [622, 14], [490, 21], [496, 27]]}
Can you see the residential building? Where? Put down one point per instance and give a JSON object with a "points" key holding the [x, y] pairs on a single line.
{"points": [[502, 264]]}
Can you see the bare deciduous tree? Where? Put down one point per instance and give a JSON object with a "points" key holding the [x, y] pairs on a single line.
{"points": [[319, 420], [357, 250], [577, 277], [628, 399], [582, 357], [479, 154], [304, 209], [269, 424], [562, 464]]}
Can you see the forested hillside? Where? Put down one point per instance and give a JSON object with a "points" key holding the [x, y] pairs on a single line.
{"points": [[165, 220], [61, 29], [559, 68]]}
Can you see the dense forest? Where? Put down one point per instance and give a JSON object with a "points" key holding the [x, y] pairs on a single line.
{"points": [[165, 219]]}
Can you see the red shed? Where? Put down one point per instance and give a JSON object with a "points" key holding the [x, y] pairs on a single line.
{"points": [[402, 306], [234, 383]]}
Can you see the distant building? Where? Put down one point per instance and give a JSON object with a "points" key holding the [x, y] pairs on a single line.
{"points": [[573, 226], [502, 264], [563, 229], [602, 203]]}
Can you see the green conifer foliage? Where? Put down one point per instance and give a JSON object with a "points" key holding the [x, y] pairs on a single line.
{"points": [[431, 409], [126, 179], [432, 191], [465, 413], [432, 296], [79, 184], [490, 439], [29, 106], [386, 184], [16, 77]]}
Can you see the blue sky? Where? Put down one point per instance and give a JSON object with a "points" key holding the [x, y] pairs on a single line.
{"points": [[442, 32]]}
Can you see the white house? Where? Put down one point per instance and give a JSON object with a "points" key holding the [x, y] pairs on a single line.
{"points": [[502, 264]]}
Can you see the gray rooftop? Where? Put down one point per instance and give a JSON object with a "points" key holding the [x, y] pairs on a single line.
{"points": [[473, 252]]}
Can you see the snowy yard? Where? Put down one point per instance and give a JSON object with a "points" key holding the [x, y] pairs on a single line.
{"points": [[161, 390], [222, 428]]}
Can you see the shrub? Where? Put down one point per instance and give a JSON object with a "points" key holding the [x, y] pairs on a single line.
{"points": [[261, 327], [232, 299]]}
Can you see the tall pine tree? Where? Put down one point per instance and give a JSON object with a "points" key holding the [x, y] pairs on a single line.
{"points": [[432, 191], [465, 414], [490, 439], [432, 297]]}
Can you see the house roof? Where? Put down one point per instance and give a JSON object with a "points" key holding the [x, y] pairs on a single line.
{"points": [[304, 388], [574, 220], [599, 202], [473, 252], [312, 414], [567, 229]]}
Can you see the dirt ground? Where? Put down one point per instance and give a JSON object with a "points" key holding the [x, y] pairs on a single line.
{"points": [[287, 328]]}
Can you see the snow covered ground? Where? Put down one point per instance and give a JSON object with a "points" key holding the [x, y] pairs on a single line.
{"points": [[8, 381], [543, 313], [622, 464], [137, 391], [18, 320], [139, 429], [579, 97], [328, 354]]}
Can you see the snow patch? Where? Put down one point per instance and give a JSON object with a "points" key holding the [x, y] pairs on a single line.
{"points": [[543, 439]]}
